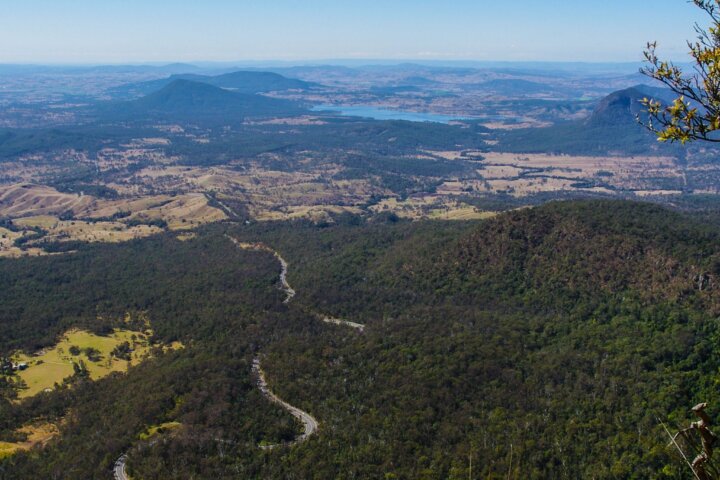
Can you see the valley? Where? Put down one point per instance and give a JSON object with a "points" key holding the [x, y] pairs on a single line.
{"points": [[380, 271]]}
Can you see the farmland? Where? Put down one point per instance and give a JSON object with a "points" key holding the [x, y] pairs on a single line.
{"points": [[51, 366]]}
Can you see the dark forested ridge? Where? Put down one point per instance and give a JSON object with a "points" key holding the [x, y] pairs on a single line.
{"points": [[543, 343], [190, 100], [612, 127], [249, 82]]}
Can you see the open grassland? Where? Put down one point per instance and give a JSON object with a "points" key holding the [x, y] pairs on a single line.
{"points": [[526, 174], [522, 175], [459, 212], [184, 212], [39, 206], [179, 212], [314, 213], [40, 221], [109, 232], [36, 434], [53, 365], [268, 194], [8, 248], [434, 207], [167, 196], [154, 430], [92, 219], [31, 200]]}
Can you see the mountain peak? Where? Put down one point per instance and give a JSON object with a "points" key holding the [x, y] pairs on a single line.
{"points": [[623, 106], [184, 99]]}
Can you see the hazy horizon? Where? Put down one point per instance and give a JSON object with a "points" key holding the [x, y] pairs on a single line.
{"points": [[314, 62], [84, 32]]}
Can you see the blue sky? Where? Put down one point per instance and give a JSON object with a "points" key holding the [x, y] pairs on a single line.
{"points": [[120, 31]]}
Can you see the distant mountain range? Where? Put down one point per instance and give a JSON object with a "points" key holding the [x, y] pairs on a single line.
{"points": [[247, 82], [189, 100]]}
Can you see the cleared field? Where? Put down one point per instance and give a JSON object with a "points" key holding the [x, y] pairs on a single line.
{"points": [[37, 434], [434, 207], [180, 212], [268, 194], [315, 214], [51, 366], [459, 213], [131, 205], [577, 162], [24, 200], [93, 220], [628, 173], [109, 232], [7, 244], [500, 171], [184, 212], [159, 430], [527, 174], [167, 196], [41, 221]]}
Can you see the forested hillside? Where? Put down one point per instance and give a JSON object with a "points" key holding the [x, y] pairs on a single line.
{"points": [[565, 331], [543, 343]]}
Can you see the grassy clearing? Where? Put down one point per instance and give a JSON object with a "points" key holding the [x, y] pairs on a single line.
{"points": [[313, 213], [159, 429], [96, 220], [42, 221], [36, 434], [24, 200], [433, 207], [463, 212], [7, 245], [108, 232], [51, 366]]}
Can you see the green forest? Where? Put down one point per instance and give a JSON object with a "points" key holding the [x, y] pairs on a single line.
{"points": [[544, 343]]}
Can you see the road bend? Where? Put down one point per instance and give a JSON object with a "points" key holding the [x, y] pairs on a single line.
{"points": [[309, 422]]}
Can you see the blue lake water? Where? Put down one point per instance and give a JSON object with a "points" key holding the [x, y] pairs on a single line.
{"points": [[386, 114]]}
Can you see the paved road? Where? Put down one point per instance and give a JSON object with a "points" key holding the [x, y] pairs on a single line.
{"points": [[119, 472], [338, 321], [259, 247], [283, 278], [309, 422], [285, 286]]}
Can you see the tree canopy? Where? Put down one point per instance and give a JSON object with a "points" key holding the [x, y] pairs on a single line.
{"points": [[695, 113]]}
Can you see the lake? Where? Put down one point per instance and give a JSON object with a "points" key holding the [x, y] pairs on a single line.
{"points": [[386, 114]]}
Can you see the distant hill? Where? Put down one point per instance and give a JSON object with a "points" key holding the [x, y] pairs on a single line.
{"points": [[258, 82], [612, 128], [197, 101], [624, 106], [242, 82]]}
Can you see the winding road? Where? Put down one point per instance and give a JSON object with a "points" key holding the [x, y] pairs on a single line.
{"points": [[347, 323], [283, 278], [309, 422], [259, 247], [119, 472]]}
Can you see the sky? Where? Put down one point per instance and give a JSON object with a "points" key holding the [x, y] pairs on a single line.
{"points": [[153, 31]]}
